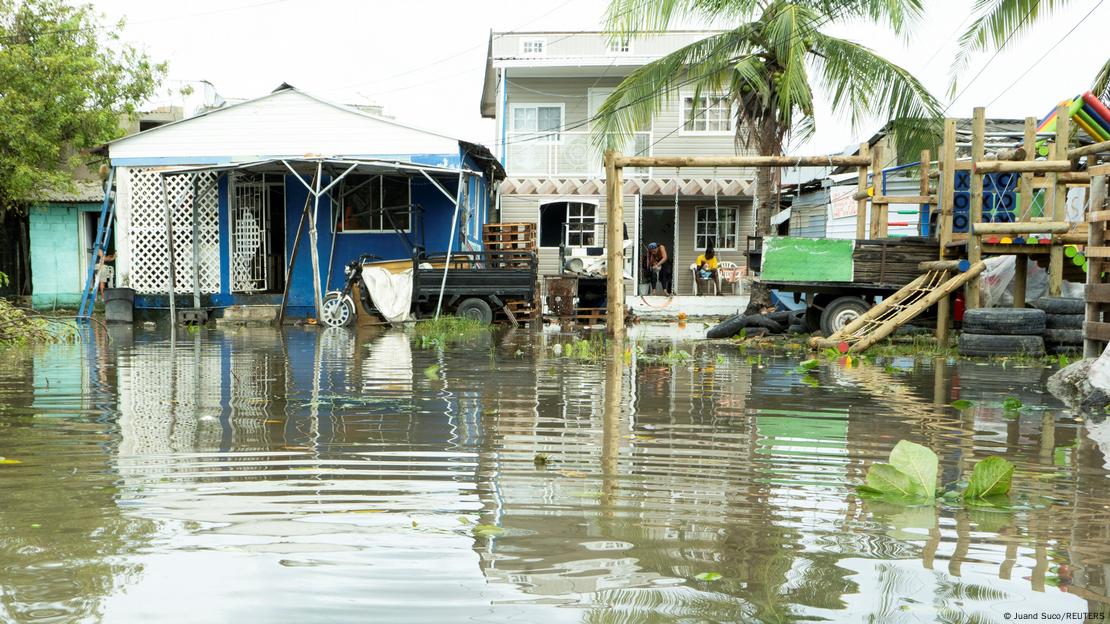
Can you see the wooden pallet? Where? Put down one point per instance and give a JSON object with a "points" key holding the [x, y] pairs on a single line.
{"points": [[589, 316]]}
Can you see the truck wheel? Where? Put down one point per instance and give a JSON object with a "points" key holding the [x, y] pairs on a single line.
{"points": [[338, 310], [476, 309], [840, 312]]}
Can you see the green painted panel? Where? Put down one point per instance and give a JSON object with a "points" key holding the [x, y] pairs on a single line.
{"points": [[787, 259]]}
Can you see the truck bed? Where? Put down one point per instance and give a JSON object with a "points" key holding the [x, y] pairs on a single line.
{"points": [[482, 274]]}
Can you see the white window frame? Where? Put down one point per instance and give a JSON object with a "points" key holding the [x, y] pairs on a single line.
{"points": [[682, 130], [564, 232], [582, 220], [534, 41], [709, 210], [620, 46], [381, 199], [556, 137]]}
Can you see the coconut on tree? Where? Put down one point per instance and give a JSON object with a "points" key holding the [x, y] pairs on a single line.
{"points": [[768, 62]]}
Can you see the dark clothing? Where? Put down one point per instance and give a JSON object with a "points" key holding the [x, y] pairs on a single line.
{"points": [[663, 277]]}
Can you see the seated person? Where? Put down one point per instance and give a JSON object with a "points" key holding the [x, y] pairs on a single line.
{"points": [[708, 265]]}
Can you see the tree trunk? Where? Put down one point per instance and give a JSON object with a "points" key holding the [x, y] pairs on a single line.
{"points": [[764, 205]]}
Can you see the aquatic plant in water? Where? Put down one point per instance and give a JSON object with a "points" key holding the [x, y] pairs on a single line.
{"points": [[911, 477], [447, 330]]}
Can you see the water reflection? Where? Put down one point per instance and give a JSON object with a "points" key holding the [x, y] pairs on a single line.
{"points": [[339, 476]]}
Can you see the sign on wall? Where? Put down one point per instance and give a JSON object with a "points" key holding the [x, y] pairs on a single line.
{"points": [[841, 202]]}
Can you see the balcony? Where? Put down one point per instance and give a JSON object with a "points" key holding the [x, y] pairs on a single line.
{"points": [[566, 154]]}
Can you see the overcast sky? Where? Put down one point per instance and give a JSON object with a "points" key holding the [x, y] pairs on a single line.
{"points": [[423, 59]]}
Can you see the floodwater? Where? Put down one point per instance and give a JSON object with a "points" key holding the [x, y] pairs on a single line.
{"points": [[256, 475]]}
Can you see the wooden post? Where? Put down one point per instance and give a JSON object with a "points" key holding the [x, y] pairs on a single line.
{"points": [[878, 212], [923, 189], [946, 196], [614, 246], [861, 187], [1059, 199], [1096, 236], [975, 210], [1025, 211]]}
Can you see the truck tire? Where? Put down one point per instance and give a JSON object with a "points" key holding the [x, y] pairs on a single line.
{"points": [[1064, 321], [726, 328], [1060, 305], [477, 309], [1004, 321], [840, 312], [990, 345], [1063, 336]]}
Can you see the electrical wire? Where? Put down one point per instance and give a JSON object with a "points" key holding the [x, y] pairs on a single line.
{"points": [[1032, 8]]}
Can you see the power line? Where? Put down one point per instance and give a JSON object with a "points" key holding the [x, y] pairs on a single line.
{"points": [[1032, 8], [1046, 53]]}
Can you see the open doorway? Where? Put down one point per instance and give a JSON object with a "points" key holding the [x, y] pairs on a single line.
{"points": [[657, 226], [90, 219], [258, 234]]}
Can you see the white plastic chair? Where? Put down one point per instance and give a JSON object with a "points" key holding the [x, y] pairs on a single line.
{"points": [[715, 285]]}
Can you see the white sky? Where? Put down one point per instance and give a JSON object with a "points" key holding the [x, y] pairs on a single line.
{"points": [[423, 59]]}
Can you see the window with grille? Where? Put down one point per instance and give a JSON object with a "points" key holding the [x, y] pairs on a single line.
{"points": [[717, 224], [533, 47], [707, 114], [374, 203], [570, 223], [541, 121]]}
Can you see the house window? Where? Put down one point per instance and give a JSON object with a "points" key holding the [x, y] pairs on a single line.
{"points": [[572, 223], [543, 121], [533, 47], [375, 203], [706, 113], [717, 224], [620, 46]]}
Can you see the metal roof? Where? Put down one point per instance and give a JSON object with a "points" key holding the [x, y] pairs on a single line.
{"points": [[308, 165]]}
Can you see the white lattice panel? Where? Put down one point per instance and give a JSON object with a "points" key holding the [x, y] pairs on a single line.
{"points": [[147, 231]]}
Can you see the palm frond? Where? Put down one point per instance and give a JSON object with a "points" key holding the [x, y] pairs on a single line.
{"points": [[624, 17], [899, 15], [863, 84], [1101, 85], [997, 24], [704, 64]]}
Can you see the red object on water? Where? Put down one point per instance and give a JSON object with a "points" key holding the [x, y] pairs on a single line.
{"points": [[958, 308], [843, 347]]}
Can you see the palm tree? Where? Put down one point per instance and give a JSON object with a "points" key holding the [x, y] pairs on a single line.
{"points": [[767, 64], [998, 24]]}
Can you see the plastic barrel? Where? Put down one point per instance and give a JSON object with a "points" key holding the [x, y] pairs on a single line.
{"points": [[119, 304]]}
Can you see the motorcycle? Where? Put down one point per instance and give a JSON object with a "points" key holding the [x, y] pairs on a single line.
{"points": [[338, 308]]}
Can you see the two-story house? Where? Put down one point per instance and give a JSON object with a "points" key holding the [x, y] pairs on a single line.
{"points": [[544, 90]]}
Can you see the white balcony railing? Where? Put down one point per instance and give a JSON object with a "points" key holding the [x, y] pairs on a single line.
{"points": [[566, 153]]}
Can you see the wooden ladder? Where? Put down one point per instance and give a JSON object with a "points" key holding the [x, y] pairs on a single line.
{"points": [[898, 309]]}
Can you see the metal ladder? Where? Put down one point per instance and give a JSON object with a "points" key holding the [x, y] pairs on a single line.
{"points": [[100, 246], [899, 308]]}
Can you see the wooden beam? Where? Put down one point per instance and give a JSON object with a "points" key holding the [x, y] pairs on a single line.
{"points": [[1087, 150], [1008, 153], [1103, 169], [1097, 292], [861, 187], [1022, 166], [903, 199], [1074, 177], [1097, 216], [878, 211], [1032, 227], [975, 210], [1060, 196], [614, 246], [943, 265], [1099, 332], [1025, 182], [947, 193], [1096, 252], [923, 162], [741, 161]]}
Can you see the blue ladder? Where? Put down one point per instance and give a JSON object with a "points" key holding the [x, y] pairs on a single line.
{"points": [[100, 246]]}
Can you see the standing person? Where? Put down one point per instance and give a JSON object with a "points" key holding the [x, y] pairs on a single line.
{"points": [[105, 272], [659, 268], [708, 265]]}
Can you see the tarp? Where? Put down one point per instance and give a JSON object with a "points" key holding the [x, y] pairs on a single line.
{"points": [[390, 292], [789, 259]]}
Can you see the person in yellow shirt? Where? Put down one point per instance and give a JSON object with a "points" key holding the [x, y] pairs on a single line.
{"points": [[708, 264]]}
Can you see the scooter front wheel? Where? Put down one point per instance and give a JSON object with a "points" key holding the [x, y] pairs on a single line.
{"points": [[338, 310]]}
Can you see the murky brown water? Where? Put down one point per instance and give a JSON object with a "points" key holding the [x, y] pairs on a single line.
{"points": [[258, 476]]}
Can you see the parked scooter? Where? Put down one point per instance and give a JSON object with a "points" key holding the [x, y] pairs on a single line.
{"points": [[338, 309]]}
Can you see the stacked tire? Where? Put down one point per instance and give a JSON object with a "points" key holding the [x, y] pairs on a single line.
{"points": [[990, 332], [1063, 323]]}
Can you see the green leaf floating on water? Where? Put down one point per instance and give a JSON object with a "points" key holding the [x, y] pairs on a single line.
{"points": [[917, 462], [1011, 404], [709, 577], [888, 480], [962, 404], [432, 372], [808, 365], [487, 530], [990, 477]]}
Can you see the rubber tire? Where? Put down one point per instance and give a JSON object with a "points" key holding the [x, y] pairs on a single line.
{"points": [[1064, 321], [812, 319], [989, 345], [1004, 321], [1064, 349], [1060, 305], [477, 309], [839, 306], [347, 303], [727, 328], [1063, 336]]}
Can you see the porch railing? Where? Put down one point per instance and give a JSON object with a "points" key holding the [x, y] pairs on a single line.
{"points": [[566, 153]]}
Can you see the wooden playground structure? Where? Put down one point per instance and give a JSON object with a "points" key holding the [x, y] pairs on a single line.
{"points": [[1033, 225]]}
